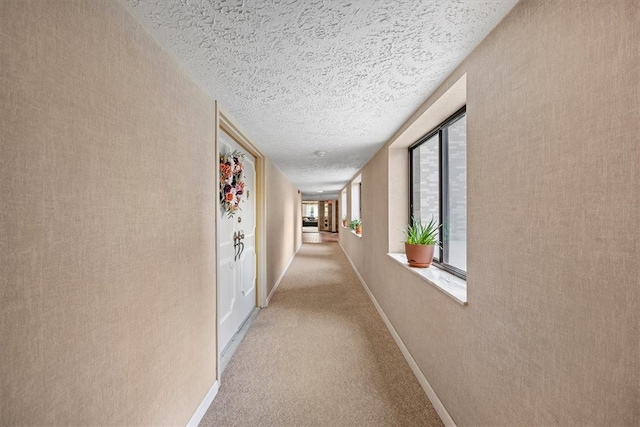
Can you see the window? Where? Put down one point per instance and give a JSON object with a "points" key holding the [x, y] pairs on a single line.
{"points": [[356, 186], [343, 204], [439, 188], [310, 209]]}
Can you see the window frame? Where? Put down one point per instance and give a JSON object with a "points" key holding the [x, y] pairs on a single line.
{"points": [[343, 206], [443, 152], [356, 187]]}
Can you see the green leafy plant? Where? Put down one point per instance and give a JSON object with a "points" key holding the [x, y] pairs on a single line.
{"points": [[418, 233], [353, 224]]}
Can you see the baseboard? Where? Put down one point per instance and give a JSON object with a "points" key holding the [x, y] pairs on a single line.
{"points": [[204, 405], [431, 394], [273, 291]]}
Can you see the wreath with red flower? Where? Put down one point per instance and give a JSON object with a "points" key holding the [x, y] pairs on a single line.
{"points": [[231, 184]]}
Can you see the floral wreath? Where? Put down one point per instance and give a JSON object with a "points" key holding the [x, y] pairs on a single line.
{"points": [[231, 184]]}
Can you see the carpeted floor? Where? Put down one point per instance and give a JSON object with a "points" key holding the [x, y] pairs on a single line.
{"points": [[319, 355], [322, 237]]}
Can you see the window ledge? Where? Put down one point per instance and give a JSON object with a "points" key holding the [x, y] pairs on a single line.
{"points": [[446, 282], [359, 235]]}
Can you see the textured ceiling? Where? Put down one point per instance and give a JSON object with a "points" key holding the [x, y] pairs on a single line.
{"points": [[306, 75]]}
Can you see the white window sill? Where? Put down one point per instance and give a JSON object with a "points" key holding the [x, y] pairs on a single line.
{"points": [[352, 231], [447, 283]]}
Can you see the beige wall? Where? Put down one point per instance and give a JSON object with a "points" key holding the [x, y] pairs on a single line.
{"points": [[107, 308], [551, 332], [284, 223], [321, 226], [107, 225]]}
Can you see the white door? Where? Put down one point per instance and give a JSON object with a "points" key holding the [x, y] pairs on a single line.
{"points": [[236, 250]]}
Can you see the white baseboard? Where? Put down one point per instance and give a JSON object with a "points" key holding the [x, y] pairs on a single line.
{"points": [[204, 405], [273, 291], [431, 394]]}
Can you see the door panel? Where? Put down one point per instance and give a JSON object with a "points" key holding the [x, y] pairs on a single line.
{"points": [[227, 293], [248, 273], [236, 258]]}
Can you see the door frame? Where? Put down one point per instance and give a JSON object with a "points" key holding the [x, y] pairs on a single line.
{"points": [[223, 121]]}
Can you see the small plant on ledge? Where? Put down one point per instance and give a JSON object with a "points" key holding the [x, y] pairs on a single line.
{"points": [[344, 221], [421, 242], [356, 225]]}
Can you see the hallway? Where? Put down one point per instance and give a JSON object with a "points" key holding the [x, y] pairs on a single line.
{"points": [[319, 355], [322, 237]]}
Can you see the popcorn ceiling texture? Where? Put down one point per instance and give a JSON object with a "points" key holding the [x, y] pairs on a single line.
{"points": [[303, 75]]}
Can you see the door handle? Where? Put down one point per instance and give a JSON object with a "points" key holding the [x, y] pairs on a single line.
{"points": [[238, 244]]}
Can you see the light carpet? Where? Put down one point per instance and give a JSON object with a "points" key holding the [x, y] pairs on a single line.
{"points": [[319, 355]]}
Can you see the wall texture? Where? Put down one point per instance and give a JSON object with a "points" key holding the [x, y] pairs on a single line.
{"points": [[107, 256], [551, 332], [284, 223], [107, 222]]}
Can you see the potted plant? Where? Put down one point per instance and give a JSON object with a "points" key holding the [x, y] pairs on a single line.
{"points": [[356, 225], [344, 221], [421, 242]]}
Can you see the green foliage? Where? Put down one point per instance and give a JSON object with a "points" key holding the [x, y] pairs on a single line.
{"points": [[353, 224], [418, 233]]}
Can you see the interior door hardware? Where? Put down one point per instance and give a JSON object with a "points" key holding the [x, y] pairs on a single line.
{"points": [[238, 244]]}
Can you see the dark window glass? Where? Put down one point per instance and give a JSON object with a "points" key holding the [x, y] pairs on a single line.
{"points": [[439, 188]]}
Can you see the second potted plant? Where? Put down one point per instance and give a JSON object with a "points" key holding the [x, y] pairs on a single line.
{"points": [[421, 242]]}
